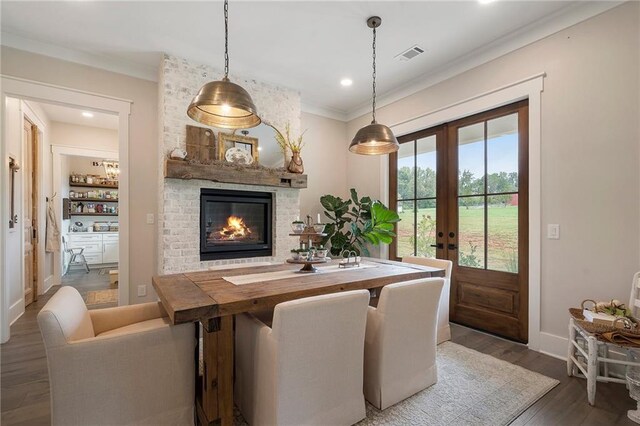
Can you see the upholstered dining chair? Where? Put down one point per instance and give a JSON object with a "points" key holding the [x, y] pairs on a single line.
{"points": [[116, 366], [307, 369], [444, 329], [400, 344]]}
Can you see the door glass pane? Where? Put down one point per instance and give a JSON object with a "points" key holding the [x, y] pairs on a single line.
{"points": [[471, 159], [502, 235], [502, 154], [426, 228], [426, 170], [406, 167], [406, 228], [471, 232]]}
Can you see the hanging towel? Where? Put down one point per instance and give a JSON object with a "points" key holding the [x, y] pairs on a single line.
{"points": [[53, 233]]}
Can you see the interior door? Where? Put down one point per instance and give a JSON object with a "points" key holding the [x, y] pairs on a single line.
{"points": [[487, 220], [30, 211]]}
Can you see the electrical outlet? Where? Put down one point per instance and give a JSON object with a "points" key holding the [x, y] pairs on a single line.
{"points": [[553, 231], [150, 219], [142, 290]]}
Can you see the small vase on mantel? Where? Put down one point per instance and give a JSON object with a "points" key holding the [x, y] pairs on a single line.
{"points": [[296, 165]]}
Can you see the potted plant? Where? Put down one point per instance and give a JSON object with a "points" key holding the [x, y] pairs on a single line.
{"points": [[357, 222], [285, 141], [297, 226]]}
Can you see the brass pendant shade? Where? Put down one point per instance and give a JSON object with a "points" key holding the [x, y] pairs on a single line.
{"points": [[224, 104], [374, 139]]}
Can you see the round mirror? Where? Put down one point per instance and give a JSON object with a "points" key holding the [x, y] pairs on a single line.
{"points": [[269, 152]]}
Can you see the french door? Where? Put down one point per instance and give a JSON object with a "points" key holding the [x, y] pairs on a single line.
{"points": [[461, 190]]}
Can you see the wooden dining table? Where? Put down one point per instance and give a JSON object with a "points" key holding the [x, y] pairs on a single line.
{"points": [[212, 298]]}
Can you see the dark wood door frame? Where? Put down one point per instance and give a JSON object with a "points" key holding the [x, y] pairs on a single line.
{"points": [[448, 237]]}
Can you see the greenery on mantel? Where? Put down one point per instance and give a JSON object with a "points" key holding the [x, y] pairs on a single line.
{"points": [[357, 222]]}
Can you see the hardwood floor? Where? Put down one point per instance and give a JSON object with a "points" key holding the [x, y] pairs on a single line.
{"points": [[25, 384]]}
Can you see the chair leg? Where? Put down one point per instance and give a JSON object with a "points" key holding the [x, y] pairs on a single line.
{"points": [[592, 369], [571, 349], [84, 263]]}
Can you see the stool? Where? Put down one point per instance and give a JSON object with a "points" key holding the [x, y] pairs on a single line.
{"points": [[113, 277]]}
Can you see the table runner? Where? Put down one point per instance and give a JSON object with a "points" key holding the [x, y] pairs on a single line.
{"points": [[279, 275]]}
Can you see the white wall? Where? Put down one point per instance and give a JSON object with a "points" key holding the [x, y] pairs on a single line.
{"points": [[590, 155], [325, 161], [67, 134]]}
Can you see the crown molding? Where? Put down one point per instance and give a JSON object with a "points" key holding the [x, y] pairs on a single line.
{"points": [[333, 113], [104, 62], [562, 19]]}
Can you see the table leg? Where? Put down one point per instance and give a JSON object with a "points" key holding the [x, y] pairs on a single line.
{"points": [[214, 401]]}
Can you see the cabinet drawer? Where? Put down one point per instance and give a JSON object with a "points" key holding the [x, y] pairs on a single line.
{"points": [[75, 238], [89, 247], [93, 258], [110, 237]]}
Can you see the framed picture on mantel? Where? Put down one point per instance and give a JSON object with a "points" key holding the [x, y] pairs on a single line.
{"points": [[237, 149]]}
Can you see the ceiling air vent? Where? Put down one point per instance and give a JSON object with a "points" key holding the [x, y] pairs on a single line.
{"points": [[410, 53]]}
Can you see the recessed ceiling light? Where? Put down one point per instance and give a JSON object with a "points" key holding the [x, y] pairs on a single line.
{"points": [[87, 114], [485, 1], [346, 82]]}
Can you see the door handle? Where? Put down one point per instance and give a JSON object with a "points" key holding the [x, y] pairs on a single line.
{"points": [[438, 246], [451, 246]]}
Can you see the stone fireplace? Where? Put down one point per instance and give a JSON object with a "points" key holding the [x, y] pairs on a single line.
{"points": [[179, 219]]}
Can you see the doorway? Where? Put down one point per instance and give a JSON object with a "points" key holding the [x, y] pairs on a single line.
{"points": [[461, 189], [13, 91]]}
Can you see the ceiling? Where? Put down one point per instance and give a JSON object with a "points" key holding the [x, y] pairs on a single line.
{"points": [[305, 45], [69, 115]]}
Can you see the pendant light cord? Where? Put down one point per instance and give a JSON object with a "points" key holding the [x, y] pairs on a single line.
{"points": [[374, 75], [226, 39]]}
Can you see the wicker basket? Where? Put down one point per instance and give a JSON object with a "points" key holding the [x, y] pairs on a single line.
{"points": [[630, 323]]}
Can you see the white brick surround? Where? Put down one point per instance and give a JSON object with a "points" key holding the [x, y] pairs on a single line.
{"points": [[179, 210]]}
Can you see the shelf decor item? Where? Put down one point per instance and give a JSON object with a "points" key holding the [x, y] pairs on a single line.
{"points": [[237, 149], [285, 141], [375, 138], [222, 103]]}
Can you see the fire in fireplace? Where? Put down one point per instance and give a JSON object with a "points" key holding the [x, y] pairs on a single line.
{"points": [[235, 230], [235, 224]]}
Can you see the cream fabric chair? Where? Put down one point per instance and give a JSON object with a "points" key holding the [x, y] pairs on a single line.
{"points": [[307, 369], [117, 366], [444, 330], [400, 345]]}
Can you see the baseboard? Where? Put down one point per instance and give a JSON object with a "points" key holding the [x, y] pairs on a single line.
{"points": [[16, 310], [552, 345], [48, 283]]}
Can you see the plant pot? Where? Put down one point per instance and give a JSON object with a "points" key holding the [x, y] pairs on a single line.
{"points": [[296, 165], [297, 228]]}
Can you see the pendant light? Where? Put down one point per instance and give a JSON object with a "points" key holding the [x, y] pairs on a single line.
{"points": [[374, 139], [222, 103]]}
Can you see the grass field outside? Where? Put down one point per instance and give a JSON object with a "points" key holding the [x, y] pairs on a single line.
{"points": [[502, 247]]}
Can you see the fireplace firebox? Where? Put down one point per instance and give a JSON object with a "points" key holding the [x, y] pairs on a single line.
{"points": [[235, 224]]}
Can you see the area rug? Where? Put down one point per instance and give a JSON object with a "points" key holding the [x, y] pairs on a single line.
{"points": [[100, 297], [472, 389]]}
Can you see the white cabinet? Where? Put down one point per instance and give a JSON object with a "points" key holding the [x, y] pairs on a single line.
{"points": [[98, 247], [110, 252]]}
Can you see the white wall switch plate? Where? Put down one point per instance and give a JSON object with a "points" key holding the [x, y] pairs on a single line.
{"points": [[553, 231], [150, 219], [142, 290]]}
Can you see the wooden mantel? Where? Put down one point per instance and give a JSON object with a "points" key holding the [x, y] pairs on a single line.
{"points": [[180, 169]]}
